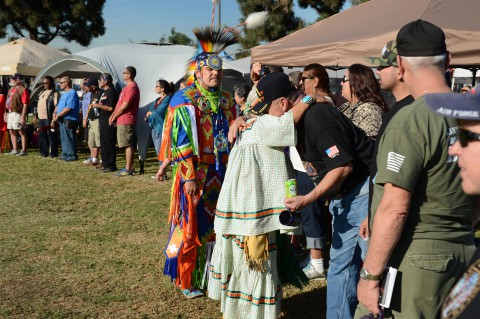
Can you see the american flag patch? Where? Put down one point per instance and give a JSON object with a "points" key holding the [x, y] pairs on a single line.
{"points": [[332, 151], [395, 162]]}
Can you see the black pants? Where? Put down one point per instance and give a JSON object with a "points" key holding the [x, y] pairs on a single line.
{"points": [[47, 140], [107, 143]]}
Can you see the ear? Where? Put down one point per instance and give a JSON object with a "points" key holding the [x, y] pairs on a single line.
{"points": [[198, 73], [401, 67], [284, 102], [398, 75]]}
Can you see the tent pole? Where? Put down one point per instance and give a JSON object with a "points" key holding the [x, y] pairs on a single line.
{"points": [[474, 75]]}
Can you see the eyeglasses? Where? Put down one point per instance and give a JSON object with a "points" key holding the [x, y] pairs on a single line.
{"points": [[345, 79], [307, 77], [465, 136]]}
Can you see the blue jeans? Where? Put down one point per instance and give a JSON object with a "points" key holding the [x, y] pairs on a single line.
{"points": [[157, 140], [314, 215], [68, 138], [347, 252]]}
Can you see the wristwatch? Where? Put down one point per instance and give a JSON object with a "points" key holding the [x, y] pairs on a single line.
{"points": [[365, 275], [308, 100]]}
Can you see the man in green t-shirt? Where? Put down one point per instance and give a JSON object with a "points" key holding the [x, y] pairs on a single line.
{"points": [[420, 217]]}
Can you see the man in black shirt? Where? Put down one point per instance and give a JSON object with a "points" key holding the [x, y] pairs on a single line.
{"points": [[105, 106], [338, 156]]}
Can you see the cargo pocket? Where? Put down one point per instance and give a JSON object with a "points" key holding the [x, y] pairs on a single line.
{"points": [[437, 262]]}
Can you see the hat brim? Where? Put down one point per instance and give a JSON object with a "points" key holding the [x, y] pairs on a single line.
{"points": [[380, 62], [259, 108], [455, 105]]}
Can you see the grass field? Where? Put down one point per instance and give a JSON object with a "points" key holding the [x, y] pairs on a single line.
{"points": [[76, 243]]}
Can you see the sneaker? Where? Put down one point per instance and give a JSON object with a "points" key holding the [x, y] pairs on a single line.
{"points": [[312, 273], [88, 161], [124, 172], [21, 153], [192, 293], [13, 152]]}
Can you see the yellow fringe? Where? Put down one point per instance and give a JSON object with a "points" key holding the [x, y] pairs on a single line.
{"points": [[256, 252]]}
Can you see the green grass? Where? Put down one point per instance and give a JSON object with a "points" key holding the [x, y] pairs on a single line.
{"points": [[76, 243]]}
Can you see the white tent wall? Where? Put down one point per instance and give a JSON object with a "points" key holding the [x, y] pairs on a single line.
{"points": [[152, 62]]}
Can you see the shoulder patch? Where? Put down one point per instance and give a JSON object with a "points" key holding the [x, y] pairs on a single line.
{"points": [[395, 161]]}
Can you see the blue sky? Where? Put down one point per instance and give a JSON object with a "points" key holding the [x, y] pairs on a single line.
{"points": [[138, 20]]}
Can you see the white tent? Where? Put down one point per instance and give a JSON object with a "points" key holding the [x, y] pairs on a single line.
{"points": [[152, 62]]}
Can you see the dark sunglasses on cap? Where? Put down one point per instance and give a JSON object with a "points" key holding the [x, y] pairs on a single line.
{"points": [[465, 136], [345, 79]]}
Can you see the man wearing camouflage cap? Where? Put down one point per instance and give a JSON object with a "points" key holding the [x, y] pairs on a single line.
{"points": [[391, 80]]}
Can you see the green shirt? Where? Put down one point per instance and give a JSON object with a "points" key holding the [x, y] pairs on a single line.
{"points": [[413, 155]]}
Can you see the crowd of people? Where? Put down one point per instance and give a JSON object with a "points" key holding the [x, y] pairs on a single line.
{"points": [[389, 177], [106, 118], [395, 182]]}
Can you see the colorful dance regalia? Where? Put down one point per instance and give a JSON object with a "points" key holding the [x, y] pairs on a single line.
{"points": [[195, 138]]}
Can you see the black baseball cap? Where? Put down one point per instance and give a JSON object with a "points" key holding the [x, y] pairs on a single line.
{"points": [[456, 105], [421, 38], [271, 87], [17, 76]]}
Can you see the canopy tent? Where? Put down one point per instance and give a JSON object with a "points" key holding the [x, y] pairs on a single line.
{"points": [[26, 56], [152, 62], [363, 30]]}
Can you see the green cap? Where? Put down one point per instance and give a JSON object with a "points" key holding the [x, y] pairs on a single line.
{"points": [[388, 57]]}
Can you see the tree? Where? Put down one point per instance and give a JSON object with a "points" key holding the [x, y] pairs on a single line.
{"points": [[325, 8], [176, 38], [357, 2], [281, 21], [44, 20]]}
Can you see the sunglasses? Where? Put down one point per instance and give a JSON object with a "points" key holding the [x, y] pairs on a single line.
{"points": [[46, 82], [465, 136], [345, 79], [126, 72], [61, 82], [307, 77]]}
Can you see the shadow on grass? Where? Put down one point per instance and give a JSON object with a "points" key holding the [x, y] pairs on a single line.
{"points": [[306, 305]]}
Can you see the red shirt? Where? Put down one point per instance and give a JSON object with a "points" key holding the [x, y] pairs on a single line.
{"points": [[25, 97], [131, 95]]}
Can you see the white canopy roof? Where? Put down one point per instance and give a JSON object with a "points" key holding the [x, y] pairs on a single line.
{"points": [[26, 56]]}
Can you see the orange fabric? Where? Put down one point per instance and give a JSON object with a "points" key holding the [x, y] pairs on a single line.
{"points": [[188, 257], [165, 150]]}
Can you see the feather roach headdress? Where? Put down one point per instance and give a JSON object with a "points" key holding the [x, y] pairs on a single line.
{"points": [[211, 41]]}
